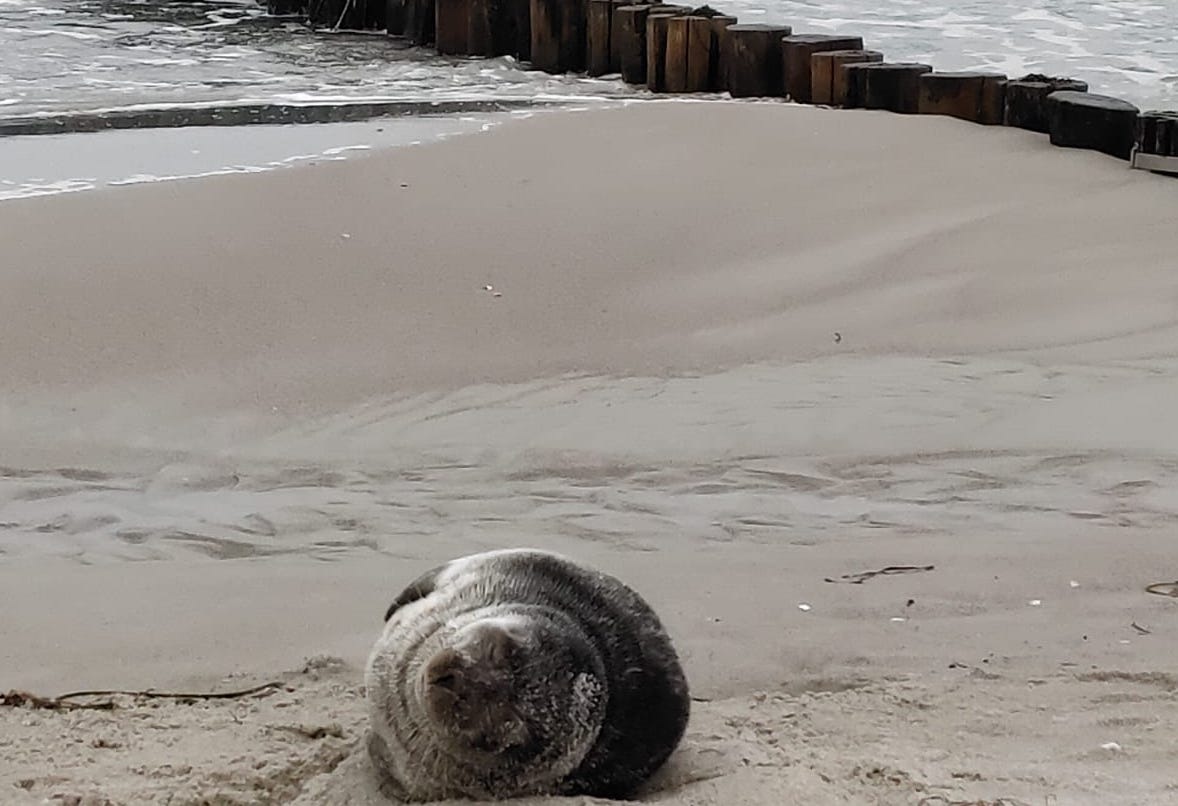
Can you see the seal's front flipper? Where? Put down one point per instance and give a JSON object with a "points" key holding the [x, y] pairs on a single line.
{"points": [[419, 588], [381, 761]]}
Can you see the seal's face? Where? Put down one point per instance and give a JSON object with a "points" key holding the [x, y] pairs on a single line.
{"points": [[469, 689]]}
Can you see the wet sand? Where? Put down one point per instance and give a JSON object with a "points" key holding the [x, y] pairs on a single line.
{"points": [[49, 164], [239, 413]]}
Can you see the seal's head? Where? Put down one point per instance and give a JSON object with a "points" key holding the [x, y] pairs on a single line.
{"points": [[517, 673], [513, 685]]}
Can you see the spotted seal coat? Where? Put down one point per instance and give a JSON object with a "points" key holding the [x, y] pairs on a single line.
{"points": [[521, 672]]}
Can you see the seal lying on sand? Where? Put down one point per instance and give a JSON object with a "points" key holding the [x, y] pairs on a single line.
{"points": [[517, 673]]}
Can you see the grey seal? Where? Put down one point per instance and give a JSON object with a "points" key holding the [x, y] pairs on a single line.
{"points": [[521, 672]]}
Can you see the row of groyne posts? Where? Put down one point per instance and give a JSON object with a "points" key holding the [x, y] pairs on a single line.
{"points": [[680, 49]]}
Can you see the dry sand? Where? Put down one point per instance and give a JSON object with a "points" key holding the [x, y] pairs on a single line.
{"points": [[240, 413]]}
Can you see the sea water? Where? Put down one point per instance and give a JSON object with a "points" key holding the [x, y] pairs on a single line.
{"points": [[59, 57], [69, 55]]}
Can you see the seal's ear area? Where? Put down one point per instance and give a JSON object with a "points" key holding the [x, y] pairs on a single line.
{"points": [[419, 588]]}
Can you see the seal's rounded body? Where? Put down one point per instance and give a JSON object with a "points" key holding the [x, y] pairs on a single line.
{"points": [[520, 672]]}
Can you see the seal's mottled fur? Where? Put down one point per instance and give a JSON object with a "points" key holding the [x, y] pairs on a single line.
{"points": [[520, 673]]}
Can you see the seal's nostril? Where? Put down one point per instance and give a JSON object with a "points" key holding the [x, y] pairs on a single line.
{"points": [[445, 680]]}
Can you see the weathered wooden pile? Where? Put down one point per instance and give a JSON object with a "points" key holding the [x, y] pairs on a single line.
{"points": [[679, 49]]}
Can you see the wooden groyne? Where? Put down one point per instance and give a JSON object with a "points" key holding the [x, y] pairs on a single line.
{"points": [[680, 49]]}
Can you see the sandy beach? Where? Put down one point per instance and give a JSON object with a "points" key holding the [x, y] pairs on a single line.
{"points": [[733, 353]]}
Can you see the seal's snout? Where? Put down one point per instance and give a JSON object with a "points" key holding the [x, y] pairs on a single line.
{"points": [[470, 690], [478, 663], [444, 669]]}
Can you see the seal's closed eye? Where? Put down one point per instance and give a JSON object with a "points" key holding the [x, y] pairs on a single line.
{"points": [[497, 645]]}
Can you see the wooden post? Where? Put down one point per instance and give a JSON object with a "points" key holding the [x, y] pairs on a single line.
{"points": [[546, 25], [976, 97], [896, 89], [993, 100], [1145, 137], [1097, 122], [375, 14], [797, 51], [480, 29], [894, 86], [1156, 133], [630, 33], [1026, 100], [701, 36], [720, 25], [598, 45], [657, 24], [615, 45], [828, 80], [320, 12], [1166, 139], [855, 79], [350, 15], [558, 35], [675, 68], [394, 17], [452, 27], [286, 7], [752, 60], [419, 21], [519, 12], [704, 35], [573, 34], [693, 52], [326, 13], [491, 29]]}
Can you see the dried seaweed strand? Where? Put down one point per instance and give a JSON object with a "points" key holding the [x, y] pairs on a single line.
{"points": [[18, 699]]}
